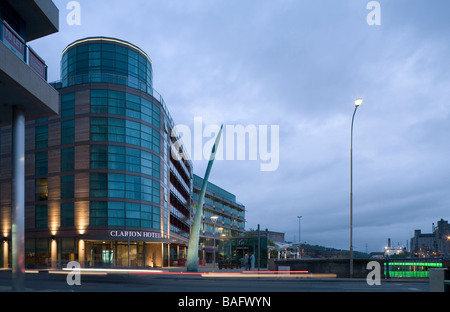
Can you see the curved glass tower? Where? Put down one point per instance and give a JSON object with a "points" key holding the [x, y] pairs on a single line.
{"points": [[108, 60], [106, 191]]}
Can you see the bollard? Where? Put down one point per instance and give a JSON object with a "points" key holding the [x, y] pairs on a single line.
{"points": [[437, 279]]}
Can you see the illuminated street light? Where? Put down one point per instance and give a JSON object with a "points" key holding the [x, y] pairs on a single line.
{"points": [[358, 102]]}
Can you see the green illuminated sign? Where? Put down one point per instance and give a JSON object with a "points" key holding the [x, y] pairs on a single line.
{"points": [[425, 264]]}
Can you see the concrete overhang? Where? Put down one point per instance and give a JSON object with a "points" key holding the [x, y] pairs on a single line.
{"points": [[21, 85], [41, 17]]}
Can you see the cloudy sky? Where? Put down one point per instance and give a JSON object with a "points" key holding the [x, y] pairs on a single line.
{"points": [[299, 65]]}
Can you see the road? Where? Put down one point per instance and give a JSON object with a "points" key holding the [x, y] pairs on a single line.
{"points": [[154, 283], [178, 292]]}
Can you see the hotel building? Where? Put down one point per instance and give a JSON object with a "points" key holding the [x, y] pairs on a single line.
{"points": [[101, 185], [230, 221]]}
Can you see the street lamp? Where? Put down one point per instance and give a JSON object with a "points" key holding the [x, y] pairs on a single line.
{"points": [[214, 220], [358, 102], [299, 218]]}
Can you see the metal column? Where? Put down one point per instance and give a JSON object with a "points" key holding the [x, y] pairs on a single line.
{"points": [[18, 199], [192, 256]]}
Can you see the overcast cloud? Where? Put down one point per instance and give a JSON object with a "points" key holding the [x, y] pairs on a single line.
{"points": [[300, 64]]}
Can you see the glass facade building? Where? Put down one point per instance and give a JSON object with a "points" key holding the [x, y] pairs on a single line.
{"points": [[230, 217], [101, 185]]}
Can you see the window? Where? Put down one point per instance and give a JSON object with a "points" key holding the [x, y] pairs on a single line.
{"points": [[156, 142], [147, 189], [98, 213], [133, 214], [41, 189], [133, 160], [41, 136], [116, 185], [116, 157], [67, 187], [99, 185], [99, 129], [99, 101], [156, 116], [67, 132], [67, 105], [116, 130], [41, 216], [155, 165], [146, 136], [99, 156], [116, 213], [133, 187], [133, 106], [146, 163], [149, 216], [116, 102], [41, 163], [68, 159], [147, 111], [133, 132], [67, 214]]}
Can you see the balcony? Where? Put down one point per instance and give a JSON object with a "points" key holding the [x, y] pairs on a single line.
{"points": [[23, 79], [17, 45]]}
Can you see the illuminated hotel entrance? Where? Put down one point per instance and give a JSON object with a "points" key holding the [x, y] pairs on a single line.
{"points": [[99, 251], [123, 254]]}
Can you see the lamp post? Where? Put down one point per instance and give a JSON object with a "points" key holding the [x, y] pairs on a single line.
{"points": [[358, 102], [299, 219], [299, 240], [214, 220]]}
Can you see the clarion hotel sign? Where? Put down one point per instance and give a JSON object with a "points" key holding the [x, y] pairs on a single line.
{"points": [[134, 234]]}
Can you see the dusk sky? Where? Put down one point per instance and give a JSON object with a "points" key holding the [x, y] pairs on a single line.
{"points": [[299, 65]]}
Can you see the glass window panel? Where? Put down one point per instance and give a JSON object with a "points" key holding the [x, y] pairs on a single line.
{"points": [[98, 184], [99, 157], [41, 191], [67, 214], [68, 159], [67, 187], [99, 129], [67, 105], [41, 216], [41, 136], [98, 214], [41, 163], [67, 132]]}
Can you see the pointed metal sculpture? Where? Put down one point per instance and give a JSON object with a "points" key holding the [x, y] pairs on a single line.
{"points": [[192, 256]]}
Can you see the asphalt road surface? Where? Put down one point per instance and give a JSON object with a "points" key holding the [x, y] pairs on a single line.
{"points": [[46, 282]]}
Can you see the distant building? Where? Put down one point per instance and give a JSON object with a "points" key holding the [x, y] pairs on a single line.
{"points": [[222, 204], [390, 251], [436, 244], [275, 237]]}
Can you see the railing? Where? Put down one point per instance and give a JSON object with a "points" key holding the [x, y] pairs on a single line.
{"points": [[17, 45]]}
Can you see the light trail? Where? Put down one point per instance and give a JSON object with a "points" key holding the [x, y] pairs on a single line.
{"points": [[243, 274]]}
